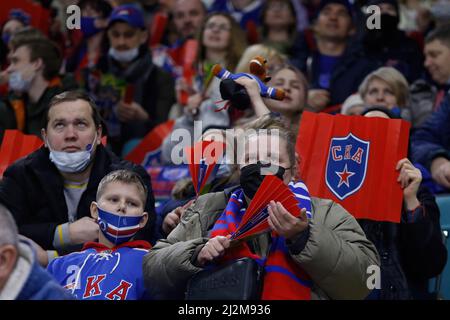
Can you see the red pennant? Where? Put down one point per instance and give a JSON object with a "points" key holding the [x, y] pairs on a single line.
{"points": [[351, 160], [203, 158]]}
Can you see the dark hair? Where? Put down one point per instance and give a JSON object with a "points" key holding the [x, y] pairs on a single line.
{"points": [[25, 35], [101, 6], [265, 8], [43, 48], [441, 33], [73, 96]]}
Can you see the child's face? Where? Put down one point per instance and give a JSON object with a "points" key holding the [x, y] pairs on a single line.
{"points": [[122, 199], [294, 100]]}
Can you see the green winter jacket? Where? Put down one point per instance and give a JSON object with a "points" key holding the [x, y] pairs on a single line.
{"points": [[336, 256]]}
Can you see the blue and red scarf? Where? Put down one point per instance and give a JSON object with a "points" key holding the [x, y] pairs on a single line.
{"points": [[283, 278]]}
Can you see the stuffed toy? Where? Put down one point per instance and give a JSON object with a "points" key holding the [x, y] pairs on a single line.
{"points": [[236, 94]]}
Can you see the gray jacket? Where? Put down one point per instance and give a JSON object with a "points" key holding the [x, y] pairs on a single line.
{"points": [[336, 256], [422, 97]]}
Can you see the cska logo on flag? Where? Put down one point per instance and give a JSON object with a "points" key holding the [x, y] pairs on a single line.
{"points": [[346, 165]]}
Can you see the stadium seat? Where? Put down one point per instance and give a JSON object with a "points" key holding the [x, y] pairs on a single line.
{"points": [[441, 284]]}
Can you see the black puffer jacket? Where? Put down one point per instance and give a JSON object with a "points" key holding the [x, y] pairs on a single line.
{"points": [[410, 253]]}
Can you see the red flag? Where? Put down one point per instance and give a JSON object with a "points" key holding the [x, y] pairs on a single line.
{"points": [[190, 48], [157, 29], [203, 158], [255, 219], [352, 159], [16, 145], [150, 144]]}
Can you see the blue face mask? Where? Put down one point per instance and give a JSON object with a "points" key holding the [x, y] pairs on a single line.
{"points": [[88, 27], [116, 228]]}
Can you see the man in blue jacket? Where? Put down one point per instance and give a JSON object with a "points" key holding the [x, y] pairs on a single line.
{"points": [[334, 63], [431, 145]]}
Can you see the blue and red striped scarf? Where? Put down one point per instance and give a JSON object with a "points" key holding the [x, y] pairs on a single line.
{"points": [[283, 278]]}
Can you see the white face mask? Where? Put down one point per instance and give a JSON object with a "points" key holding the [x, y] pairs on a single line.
{"points": [[72, 162], [18, 83], [124, 56]]}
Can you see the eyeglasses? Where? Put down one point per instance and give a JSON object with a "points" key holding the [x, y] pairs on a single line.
{"points": [[221, 27], [278, 5]]}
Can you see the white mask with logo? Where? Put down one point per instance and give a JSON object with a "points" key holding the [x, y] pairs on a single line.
{"points": [[72, 162]]}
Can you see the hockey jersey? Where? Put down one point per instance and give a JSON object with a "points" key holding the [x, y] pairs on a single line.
{"points": [[101, 273]]}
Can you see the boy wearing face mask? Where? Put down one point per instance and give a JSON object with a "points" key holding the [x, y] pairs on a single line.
{"points": [[133, 94], [109, 269], [49, 192]]}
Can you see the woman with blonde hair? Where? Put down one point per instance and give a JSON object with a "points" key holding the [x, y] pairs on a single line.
{"points": [[386, 87], [324, 252], [274, 58]]}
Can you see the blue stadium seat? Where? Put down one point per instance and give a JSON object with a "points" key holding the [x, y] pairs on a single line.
{"points": [[441, 284]]}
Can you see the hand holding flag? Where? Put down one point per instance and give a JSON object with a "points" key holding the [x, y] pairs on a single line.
{"points": [[255, 219], [284, 223]]}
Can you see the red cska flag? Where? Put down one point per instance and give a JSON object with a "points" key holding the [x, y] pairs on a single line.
{"points": [[351, 160]]}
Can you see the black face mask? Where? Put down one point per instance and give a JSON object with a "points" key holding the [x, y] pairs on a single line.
{"points": [[389, 23], [252, 176], [375, 38]]}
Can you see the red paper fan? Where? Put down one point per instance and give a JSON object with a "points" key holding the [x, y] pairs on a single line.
{"points": [[203, 158], [254, 220]]}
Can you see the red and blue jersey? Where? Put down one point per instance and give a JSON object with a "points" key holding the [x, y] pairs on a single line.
{"points": [[101, 273]]}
